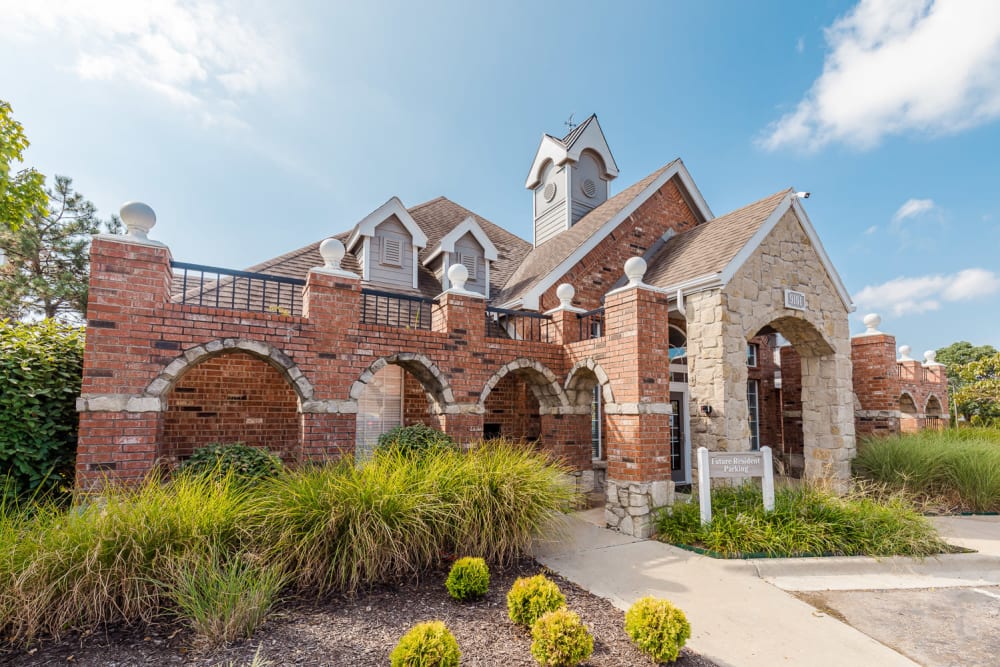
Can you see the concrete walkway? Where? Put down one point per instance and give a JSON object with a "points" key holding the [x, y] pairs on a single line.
{"points": [[737, 618]]}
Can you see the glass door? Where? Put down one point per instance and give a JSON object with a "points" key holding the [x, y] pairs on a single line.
{"points": [[678, 446]]}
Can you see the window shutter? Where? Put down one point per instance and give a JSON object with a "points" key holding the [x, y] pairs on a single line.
{"points": [[470, 263], [392, 251]]}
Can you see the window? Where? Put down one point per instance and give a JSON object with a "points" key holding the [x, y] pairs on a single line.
{"points": [[469, 260], [380, 409], [392, 251], [677, 342], [752, 349], [753, 411], [596, 450]]}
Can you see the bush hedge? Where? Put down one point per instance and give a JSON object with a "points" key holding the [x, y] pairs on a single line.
{"points": [[41, 366], [184, 546], [416, 439], [245, 463], [658, 628], [560, 639], [428, 644], [531, 597], [468, 579]]}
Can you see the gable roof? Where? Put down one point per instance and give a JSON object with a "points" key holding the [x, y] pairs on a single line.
{"points": [[393, 207], [467, 226], [709, 255], [436, 218], [550, 261], [557, 151]]}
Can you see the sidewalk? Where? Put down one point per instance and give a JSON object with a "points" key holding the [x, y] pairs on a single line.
{"points": [[737, 618]]}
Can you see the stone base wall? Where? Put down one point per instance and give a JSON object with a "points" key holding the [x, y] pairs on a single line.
{"points": [[631, 506]]}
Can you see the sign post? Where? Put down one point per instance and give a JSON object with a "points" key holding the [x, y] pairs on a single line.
{"points": [[733, 465]]}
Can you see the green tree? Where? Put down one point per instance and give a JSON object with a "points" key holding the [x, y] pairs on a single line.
{"points": [[960, 353], [978, 397], [47, 258], [22, 191]]}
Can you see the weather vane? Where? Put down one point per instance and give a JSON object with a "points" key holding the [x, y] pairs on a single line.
{"points": [[569, 122]]}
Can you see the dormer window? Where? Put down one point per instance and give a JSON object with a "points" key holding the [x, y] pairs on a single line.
{"points": [[392, 252], [471, 263]]}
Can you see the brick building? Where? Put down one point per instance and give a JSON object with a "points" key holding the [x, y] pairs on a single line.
{"points": [[632, 329]]}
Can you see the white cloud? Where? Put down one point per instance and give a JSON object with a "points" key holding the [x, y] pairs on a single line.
{"points": [[895, 66], [201, 56], [800, 45], [920, 294], [871, 230], [912, 207]]}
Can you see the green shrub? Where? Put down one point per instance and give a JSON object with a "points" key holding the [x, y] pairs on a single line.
{"points": [[223, 598], [428, 644], [416, 439], [806, 521], [41, 366], [658, 628], [468, 579], [956, 469], [559, 639], [78, 569], [243, 462], [344, 526], [531, 597]]}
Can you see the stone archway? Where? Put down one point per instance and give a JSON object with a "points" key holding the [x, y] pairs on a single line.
{"points": [[543, 383], [176, 369], [934, 413], [582, 379], [909, 415], [433, 381]]}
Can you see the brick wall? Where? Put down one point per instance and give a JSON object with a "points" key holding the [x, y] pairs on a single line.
{"points": [[513, 409], [231, 398]]}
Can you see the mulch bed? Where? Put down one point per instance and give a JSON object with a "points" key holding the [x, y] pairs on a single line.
{"points": [[356, 631]]}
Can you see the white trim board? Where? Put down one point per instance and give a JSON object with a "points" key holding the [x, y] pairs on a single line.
{"points": [[392, 207], [467, 226], [530, 300]]}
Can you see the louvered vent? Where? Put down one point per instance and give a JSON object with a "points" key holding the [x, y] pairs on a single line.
{"points": [[470, 263], [392, 252]]}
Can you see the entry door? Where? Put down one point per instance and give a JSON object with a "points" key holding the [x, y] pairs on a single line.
{"points": [[678, 438]]}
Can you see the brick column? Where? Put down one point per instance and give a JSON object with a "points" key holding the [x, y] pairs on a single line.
{"points": [[876, 384], [638, 423], [462, 316], [120, 427], [331, 302]]}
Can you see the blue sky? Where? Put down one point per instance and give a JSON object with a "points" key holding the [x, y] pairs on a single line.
{"points": [[253, 128]]}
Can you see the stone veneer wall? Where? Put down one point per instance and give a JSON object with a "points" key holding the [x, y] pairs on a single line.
{"points": [[720, 322]]}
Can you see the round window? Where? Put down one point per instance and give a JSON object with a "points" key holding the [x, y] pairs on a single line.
{"points": [[589, 188], [549, 192]]}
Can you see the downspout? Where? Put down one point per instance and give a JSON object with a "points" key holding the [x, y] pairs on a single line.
{"points": [[681, 306]]}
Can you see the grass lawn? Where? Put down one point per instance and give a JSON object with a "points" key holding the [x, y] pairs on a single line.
{"points": [[805, 522], [949, 471]]}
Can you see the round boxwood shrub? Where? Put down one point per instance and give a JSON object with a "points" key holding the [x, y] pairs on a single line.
{"points": [[243, 462], [415, 439], [559, 639], [530, 597], [41, 367], [468, 579], [428, 644], [658, 628]]}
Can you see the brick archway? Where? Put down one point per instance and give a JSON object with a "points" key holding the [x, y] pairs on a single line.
{"points": [[433, 381], [175, 370], [543, 382], [581, 380]]}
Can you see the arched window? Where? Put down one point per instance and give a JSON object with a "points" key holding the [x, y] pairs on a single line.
{"points": [[677, 342]]}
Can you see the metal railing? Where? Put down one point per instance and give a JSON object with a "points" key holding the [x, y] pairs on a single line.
{"points": [[396, 310], [518, 325], [591, 324], [215, 287]]}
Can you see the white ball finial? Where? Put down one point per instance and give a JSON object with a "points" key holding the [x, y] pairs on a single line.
{"points": [[139, 218], [565, 292], [930, 358], [332, 251], [458, 275], [635, 270], [904, 353], [872, 320]]}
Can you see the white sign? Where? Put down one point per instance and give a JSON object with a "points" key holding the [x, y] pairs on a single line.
{"points": [[795, 300], [733, 465]]}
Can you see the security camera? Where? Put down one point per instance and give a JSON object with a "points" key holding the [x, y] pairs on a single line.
{"points": [[803, 195]]}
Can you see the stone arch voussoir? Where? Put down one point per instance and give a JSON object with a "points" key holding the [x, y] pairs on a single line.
{"points": [[802, 332], [541, 379], [588, 366], [434, 382], [191, 357]]}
